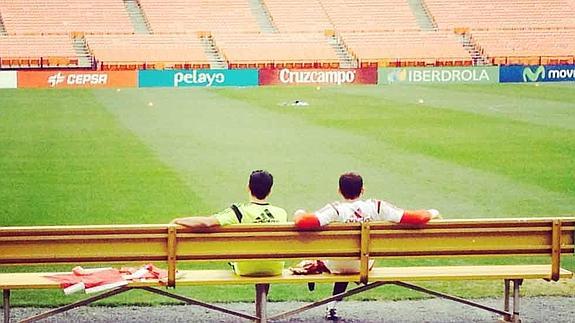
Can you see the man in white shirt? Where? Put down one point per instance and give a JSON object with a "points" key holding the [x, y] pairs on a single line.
{"points": [[353, 209]]}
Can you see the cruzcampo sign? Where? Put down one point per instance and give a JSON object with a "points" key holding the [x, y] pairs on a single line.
{"points": [[416, 75]]}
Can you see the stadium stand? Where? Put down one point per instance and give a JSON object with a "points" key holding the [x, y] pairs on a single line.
{"points": [[310, 33], [277, 50], [298, 15], [64, 16], [342, 15], [388, 48], [370, 15], [37, 51], [496, 14], [118, 52], [527, 46], [187, 16]]}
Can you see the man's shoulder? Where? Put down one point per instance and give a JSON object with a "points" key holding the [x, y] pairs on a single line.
{"points": [[276, 209], [268, 206]]}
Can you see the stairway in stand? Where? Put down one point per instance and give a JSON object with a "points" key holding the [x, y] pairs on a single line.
{"points": [[346, 58], [263, 16], [2, 28], [422, 16], [137, 16], [82, 52], [469, 45], [217, 61]]}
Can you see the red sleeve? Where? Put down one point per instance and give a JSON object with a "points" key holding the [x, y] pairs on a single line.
{"points": [[308, 221], [415, 217]]}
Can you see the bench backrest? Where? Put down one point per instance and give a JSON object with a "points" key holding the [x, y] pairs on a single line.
{"points": [[145, 243]]}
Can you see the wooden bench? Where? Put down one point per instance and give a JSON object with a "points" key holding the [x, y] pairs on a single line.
{"points": [[170, 245]]}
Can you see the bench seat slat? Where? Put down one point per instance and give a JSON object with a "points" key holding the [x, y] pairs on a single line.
{"points": [[227, 277], [28, 281], [465, 273], [222, 277]]}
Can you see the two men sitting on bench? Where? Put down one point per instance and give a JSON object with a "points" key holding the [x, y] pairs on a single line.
{"points": [[351, 209]]}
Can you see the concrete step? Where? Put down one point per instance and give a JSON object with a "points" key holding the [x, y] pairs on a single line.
{"points": [[217, 61], [346, 59], [137, 17], [422, 16], [477, 57], [82, 52], [263, 16], [2, 28]]}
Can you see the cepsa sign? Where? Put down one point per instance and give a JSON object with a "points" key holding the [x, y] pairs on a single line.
{"points": [[76, 79], [289, 76]]}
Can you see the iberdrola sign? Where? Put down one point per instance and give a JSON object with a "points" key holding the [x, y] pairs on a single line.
{"points": [[472, 74]]}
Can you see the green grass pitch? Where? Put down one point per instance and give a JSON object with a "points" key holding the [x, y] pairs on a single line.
{"points": [[109, 157]]}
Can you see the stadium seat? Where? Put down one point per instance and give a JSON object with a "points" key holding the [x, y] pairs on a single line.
{"points": [[188, 16], [496, 14], [370, 15], [65, 16], [284, 49], [38, 50], [426, 48], [131, 51], [530, 47]]}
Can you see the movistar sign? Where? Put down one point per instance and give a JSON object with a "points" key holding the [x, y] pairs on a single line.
{"points": [[530, 75], [538, 73]]}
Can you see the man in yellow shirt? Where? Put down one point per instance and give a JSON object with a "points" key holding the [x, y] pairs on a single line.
{"points": [[258, 210]]}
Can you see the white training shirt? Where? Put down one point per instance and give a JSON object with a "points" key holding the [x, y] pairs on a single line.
{"points": [[357, 211]]}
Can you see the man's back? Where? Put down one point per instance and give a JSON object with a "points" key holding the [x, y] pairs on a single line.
{"points": [[359, 211], [258, 210], [254, 213]]}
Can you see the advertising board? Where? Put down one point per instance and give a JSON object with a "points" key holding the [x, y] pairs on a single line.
{"points": [[471, 74], [8, 80], [537, 73], [76, 79], [288, 76], [198, 78]]}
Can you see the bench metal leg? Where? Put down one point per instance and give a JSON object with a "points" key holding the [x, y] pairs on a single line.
{"points": [[191, 301], [351, 292], [261, 302], [76, 304], [450, 297], [516, 285], [507, 318], [6, 303]]}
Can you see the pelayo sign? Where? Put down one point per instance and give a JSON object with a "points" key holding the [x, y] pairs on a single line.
{"points": [[474, 74], [537, 73], [289, 76], [198, 78]]}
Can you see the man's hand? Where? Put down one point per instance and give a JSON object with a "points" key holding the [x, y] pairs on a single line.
{"points": [[435, 215]]}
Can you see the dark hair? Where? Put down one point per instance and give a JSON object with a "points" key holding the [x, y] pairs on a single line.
{"points": [[350, 185], [261, 183]]}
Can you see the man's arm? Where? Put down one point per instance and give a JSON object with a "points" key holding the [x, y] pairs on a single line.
{"points": [[310, 221], [419, 216], [306, 221], [197, 222]]}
